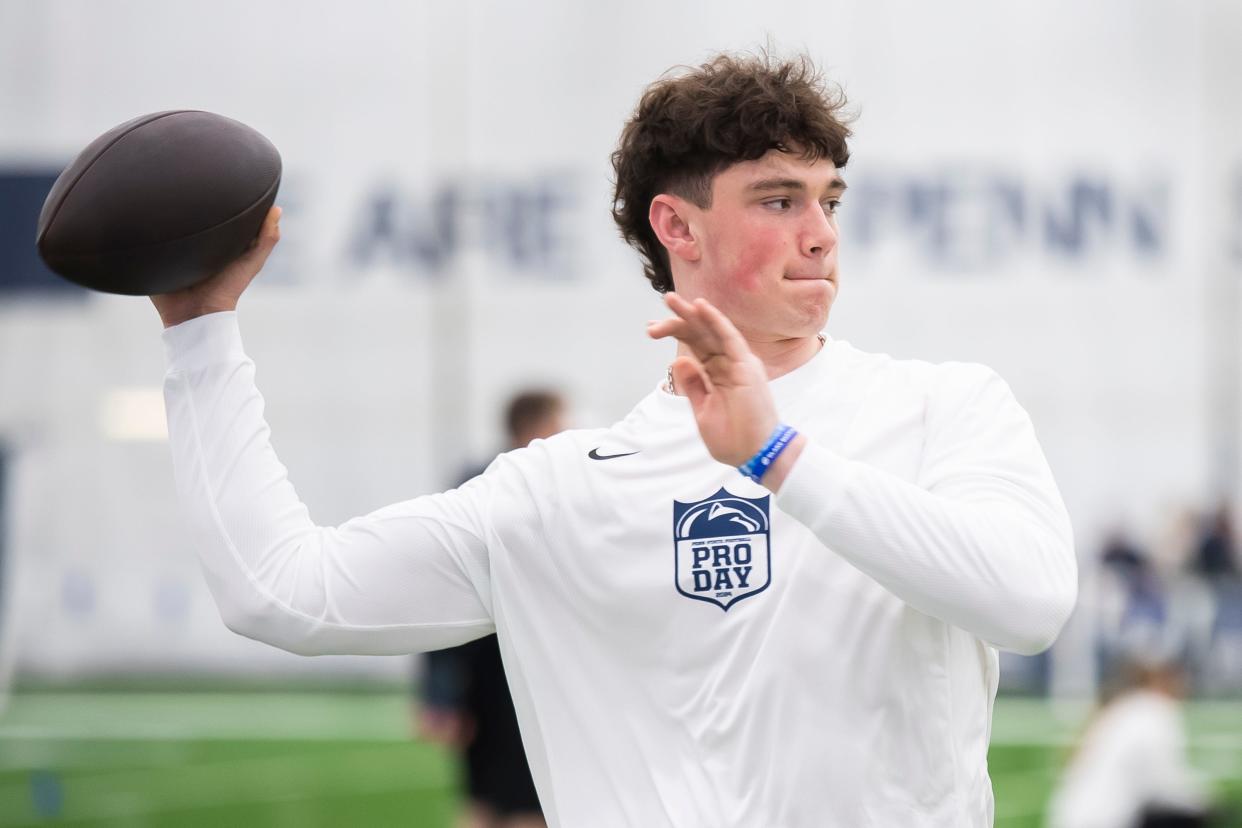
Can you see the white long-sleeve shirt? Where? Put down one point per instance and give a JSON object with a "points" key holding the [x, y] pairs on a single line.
{"points": [[684, 649]]}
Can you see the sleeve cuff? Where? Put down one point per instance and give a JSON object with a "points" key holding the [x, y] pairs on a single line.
{"points": [[205, 340], [814, 488]]}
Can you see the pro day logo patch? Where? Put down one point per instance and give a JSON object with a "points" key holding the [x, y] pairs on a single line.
{"points": [[722, 551]]}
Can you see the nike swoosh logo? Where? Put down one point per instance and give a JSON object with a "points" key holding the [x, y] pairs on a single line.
{"points": [[595, 455]]}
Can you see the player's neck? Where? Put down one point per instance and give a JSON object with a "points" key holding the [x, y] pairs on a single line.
{"points": [[781, 356]]}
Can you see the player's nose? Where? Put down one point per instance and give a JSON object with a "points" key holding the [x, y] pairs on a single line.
{"points": [[819, 235]]}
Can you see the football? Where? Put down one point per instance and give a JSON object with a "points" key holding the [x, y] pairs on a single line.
{"points": [[159, 203]]}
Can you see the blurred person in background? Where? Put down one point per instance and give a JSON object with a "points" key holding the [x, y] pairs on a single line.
{"points": [[1191, 602], [466, 705], [1216, 613], [1123, 556], [1129, 769], [1132, 598], [708, 615], [1217, 554]]}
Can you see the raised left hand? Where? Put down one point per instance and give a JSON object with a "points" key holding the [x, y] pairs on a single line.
{"points": [[726, 383]]}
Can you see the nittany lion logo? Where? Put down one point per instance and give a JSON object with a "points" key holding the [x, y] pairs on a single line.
{"points": [[721, 544]]}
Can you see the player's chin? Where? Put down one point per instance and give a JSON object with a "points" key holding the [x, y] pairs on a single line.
{"points": [[810, 307]]}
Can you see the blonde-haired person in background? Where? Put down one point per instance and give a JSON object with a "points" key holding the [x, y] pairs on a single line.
{"points": [[1130, 768]]}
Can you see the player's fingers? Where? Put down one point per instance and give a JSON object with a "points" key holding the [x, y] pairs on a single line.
{"points": [[678, 305], [691, 379], [695, 335], [269, 234], [686, 311], [662, 328], [709, 326], [724, 334], [699, 332]]}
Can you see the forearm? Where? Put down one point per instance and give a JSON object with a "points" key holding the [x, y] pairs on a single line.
{"points": [[364, 587], [998, 564]]}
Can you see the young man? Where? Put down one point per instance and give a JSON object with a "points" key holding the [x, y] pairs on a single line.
{"points": [[811, 643]]}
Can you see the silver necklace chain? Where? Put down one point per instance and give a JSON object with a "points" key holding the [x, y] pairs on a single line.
{"points": [[672, 389]]}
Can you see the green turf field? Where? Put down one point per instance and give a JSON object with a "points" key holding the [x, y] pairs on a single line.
{"points": [[323, 759]]}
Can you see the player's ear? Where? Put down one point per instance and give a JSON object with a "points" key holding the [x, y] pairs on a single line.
{"points": [[670, 218]]}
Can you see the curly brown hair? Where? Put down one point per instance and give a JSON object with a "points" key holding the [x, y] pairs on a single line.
{"points": [[691, 125]]}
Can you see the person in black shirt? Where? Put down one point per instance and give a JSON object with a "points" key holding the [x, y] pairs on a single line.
{"points": [[466, 703]]}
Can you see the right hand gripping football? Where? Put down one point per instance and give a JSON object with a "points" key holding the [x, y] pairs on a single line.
{"points": [[221, 291]]}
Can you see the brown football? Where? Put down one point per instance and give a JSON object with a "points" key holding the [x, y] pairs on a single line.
{"points": [[159, 203]]}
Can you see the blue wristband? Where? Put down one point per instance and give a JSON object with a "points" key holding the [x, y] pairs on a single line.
{"points": [[755, 467]]}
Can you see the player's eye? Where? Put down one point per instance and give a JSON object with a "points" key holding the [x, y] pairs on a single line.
{"points": [[831, 206], [779, 204]]}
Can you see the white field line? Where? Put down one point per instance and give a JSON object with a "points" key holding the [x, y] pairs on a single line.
{"points": [[205, 716], [1221, 740], [129, 732], [307, 731]]}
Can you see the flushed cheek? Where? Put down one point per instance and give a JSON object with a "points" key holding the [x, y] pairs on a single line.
{"points": [[757, 262]]}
